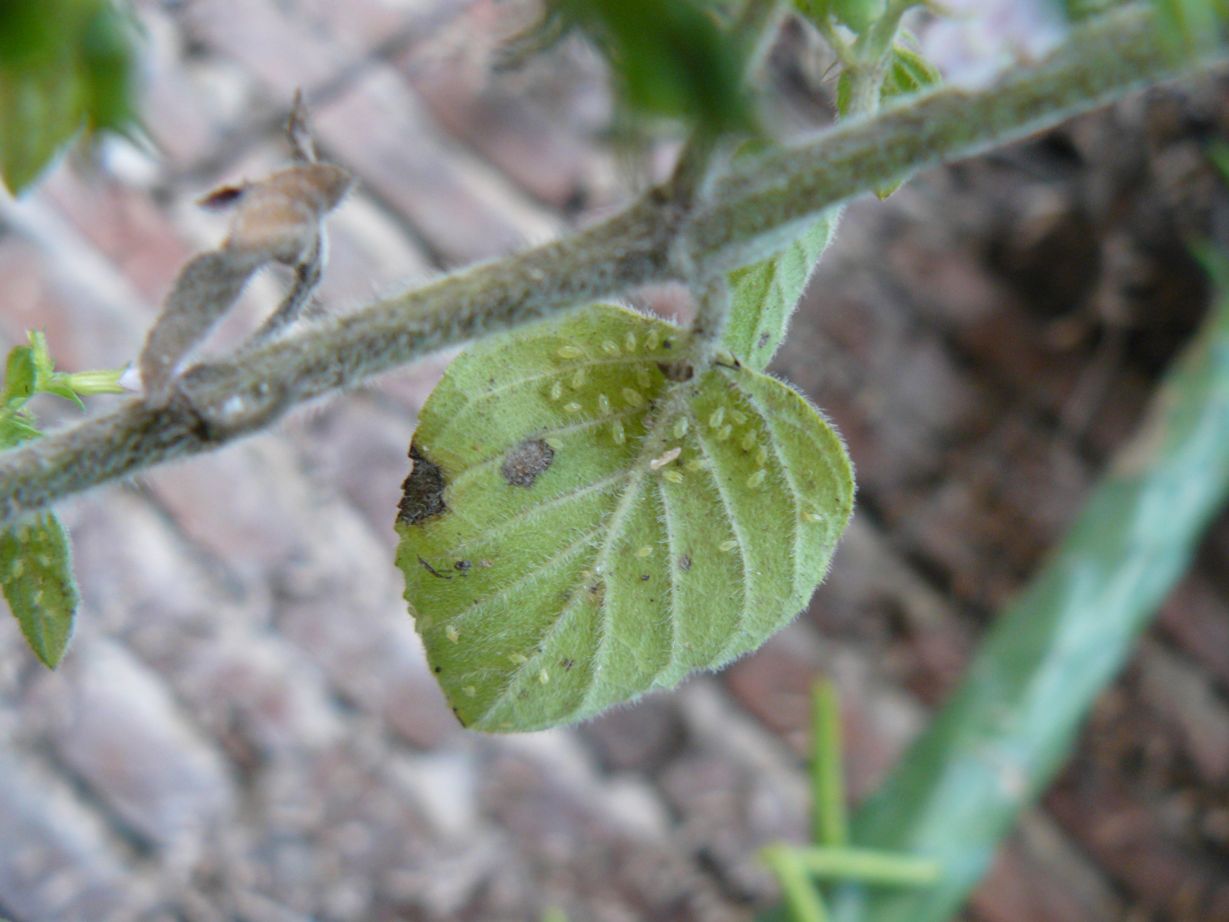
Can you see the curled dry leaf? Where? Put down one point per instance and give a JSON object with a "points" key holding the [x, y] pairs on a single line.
{"points": [[276, 219]]}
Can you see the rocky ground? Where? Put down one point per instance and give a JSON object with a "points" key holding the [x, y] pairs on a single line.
{"points": [[246, 729]]}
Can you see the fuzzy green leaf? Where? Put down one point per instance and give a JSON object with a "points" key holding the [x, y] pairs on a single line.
{"points": [[37, 578], [763, 296], [587, 519]]}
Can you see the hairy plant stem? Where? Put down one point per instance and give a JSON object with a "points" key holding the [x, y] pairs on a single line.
{"points": [[759, 203]]}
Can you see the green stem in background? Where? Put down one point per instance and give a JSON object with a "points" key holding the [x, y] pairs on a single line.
{"points": [[1009, 726], [829, 821], [864, 866], [751, 213], [801, 898]]}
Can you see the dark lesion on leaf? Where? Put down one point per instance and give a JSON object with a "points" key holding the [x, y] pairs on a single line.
{"points": [[423, 491], [526, 461]]}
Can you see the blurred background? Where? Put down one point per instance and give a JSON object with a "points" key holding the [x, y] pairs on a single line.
{"points": [[245, 728]]}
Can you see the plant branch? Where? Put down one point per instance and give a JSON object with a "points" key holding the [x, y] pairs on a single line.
{"points": [[758, 204]]}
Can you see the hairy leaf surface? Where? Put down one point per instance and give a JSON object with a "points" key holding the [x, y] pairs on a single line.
{"points": [[37, 578], [764, 296], [587, 518]]}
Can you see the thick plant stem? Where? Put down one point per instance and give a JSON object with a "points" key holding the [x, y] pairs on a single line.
{"points": [[758, 206], [1009, 726]]}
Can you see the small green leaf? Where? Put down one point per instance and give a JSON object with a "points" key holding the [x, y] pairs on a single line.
{"points": [[37, 578], [16, 426], [763, 296], [909, 72], [20, 376], [588, 518]]}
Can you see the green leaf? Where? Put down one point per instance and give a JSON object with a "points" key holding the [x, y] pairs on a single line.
{"points": [[588, 519], [909, 72], [37, 578], [16, 426], [1187, 26], [670, 58], [20, 376], [64, 65], [763, 296], [859, 15]]}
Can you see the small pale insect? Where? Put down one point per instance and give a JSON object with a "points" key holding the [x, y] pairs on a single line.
{"points": [[761, 456], [610, 347], [629, 341], [724, 433], [694, 465], [518, 659], [554, 443], [470, 691], [642, 376], [603, 404], [544, 677], [580, 377], [645, 551], [633, 397], [452, 633], [757, 479], [726, 546], [556, 390], [658, 463], [570, 352], [748, 441], [653, 340], [717, 418], [573, 407], [680, 427], [617, 432], [673, 476], [738, 416]]}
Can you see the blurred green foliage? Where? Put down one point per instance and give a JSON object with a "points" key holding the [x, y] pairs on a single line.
{"points": [[671, 58], [64, 65]]}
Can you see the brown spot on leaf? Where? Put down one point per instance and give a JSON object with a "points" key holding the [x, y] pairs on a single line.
{"points": [[567, 664], [526, 461], [644, 577], [462, 565], [685, 562], [677, 371], [423, 491]]}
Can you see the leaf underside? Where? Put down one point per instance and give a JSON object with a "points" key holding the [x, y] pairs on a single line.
{"points": [[587, 519], [37, 579]]}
